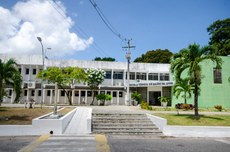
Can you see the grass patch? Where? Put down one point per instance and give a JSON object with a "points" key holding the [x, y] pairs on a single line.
{"points": [[20, 116], [189, 120]]}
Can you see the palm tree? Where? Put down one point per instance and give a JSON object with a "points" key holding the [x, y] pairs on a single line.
{"points": [[183, 86], [9, 75], [189, 59]]}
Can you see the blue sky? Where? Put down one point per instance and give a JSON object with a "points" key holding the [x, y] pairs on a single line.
{"points": [[152, 24]]}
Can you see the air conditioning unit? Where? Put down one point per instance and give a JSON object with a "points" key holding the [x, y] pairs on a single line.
{"points": [[31, 85]]}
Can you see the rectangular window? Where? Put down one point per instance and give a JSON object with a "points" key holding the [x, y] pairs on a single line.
{"points": [[82, 93], [10, 92], [34, 71], [118, 75], [48, 93], [164, 77], [77, 93], [32, 92], [141, 76], [25, 92], [153, 76], [89, 93], [217, 75], [120, 94], [20, 70], [62, 93], [115, 94], [108, 75], [131, 76], [109, 92], [39, 92], [27, 71]]}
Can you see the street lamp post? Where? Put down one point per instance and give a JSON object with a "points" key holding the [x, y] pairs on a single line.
{"points": [[128, 57], [40, 40]]}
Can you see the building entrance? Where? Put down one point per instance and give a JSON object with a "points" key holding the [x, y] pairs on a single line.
{"points": [[153, 98]]}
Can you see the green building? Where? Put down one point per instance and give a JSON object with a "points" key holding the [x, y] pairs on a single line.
{"points": [[215, 86]]}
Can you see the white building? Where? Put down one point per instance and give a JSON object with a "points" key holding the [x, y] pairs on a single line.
{"points": [[151, 80]]}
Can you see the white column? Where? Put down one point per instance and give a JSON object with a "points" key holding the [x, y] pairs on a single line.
{"points": [[23, 72], [73, 96], [30, 73], [86, 96], [12, 96], [79, 97], [36, 96], [117, 97], [51, 96], [44, 95], [28, 94], [148, 95], [112, 78], [58, 96]]}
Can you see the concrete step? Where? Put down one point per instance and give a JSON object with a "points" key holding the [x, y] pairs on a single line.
{"points": [[131, 118], [127, 132], [123, 124], [125, 127]]}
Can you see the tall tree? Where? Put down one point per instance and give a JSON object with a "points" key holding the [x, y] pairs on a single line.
{"points": [[184, 87], [220, 36], [189, 59], [95, 78], [105, 59], [64, 77], [9, 75], [155, 56]]}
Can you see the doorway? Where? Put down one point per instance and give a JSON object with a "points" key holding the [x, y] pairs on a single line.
{"points": [[153, 98]]}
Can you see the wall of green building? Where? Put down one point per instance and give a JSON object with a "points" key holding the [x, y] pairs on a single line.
{"points": [[211, 93]]}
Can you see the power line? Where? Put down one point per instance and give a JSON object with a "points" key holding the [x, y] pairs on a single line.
{"points": [[105, 20], [60, 11]]}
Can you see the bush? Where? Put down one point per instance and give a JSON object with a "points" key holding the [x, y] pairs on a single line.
{"points": [[145, 105], [103, 97], [136, 96], [218, 107], [184, 106]]}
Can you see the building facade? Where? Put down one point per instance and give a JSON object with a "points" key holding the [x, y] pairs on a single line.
{"points": [[150, 80]]}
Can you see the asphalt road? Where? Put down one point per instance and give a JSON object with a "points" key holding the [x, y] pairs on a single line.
{"points": [[121, 143], [13, 144], [139, 144]]}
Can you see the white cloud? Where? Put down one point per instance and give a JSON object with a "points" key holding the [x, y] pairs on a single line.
{"points": [[27, 20]]}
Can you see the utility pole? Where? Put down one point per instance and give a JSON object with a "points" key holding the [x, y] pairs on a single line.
{"points": [[128, 57]]}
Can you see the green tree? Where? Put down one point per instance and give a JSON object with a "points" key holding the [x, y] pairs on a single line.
{"points": [[64, 77], [9, 75], [183, 86], [105, 59], [103, 97], [189, 59], [155, 56], [220, 36], [95, 78]]}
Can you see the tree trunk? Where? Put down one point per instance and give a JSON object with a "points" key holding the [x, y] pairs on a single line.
{"points": [[196, 98], [1, 92], [185, 99], [93, 98]]}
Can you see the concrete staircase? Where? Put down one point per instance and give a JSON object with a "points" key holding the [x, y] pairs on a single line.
{"points": [[123, 123]]}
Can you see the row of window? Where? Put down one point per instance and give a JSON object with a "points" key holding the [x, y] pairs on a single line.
{"points": [[138, 76], [83, 93], [27, 71]]}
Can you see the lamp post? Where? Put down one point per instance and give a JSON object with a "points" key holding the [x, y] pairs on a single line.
{"points": [[128, 57], [40, 40]]}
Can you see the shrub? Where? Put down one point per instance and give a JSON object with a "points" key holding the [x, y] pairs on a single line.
{"points": [[145, 105], [184, 106], [218, 107], [103, 97], [136, 96]]}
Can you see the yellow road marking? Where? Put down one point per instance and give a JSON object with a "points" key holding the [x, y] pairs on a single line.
{"points": [[34, 144], [102, 144]]}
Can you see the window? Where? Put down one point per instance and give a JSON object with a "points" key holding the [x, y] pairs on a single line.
{"points": [[131, 75], [48, 93], [164, 76], [62, 93], [39, 92], [120, 94], [34, 71], [77, 93], [115, 94], [217, 75], [82, 93], [118, 75], [89, 93], [153, 76], [10, 92], [141, 76], [108, 75], [20, 70], [25, 92], [32, 93], [109, 92], [27, 71]]}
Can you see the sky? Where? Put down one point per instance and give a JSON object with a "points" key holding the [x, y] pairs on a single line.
{"points": [[74, 30]]}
